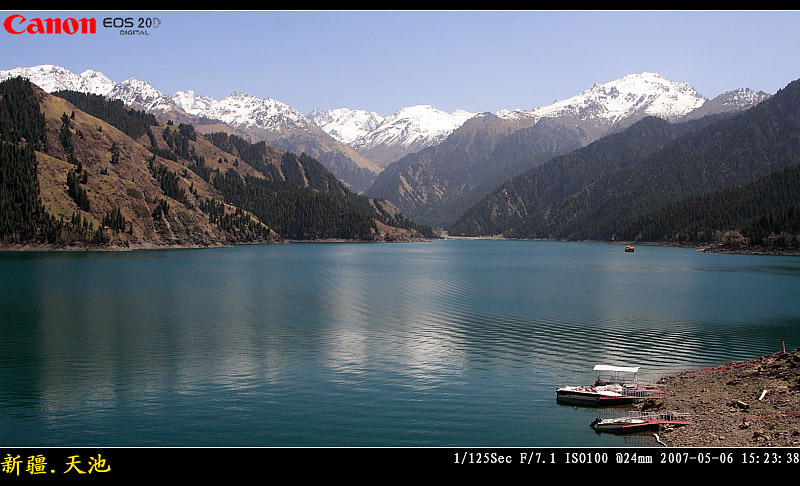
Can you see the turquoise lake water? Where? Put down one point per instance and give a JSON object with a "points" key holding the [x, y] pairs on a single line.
{"points": [[443, 343]]}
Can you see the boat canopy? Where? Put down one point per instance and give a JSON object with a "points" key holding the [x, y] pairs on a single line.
{"points": [[617, 369]]}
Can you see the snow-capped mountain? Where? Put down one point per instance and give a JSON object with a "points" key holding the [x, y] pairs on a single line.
{"points": [[736, 100], [143, 96], [247, 112], [440, 182], [192, 102], [254, 118], [742, 97], [386, 139], [627, 99], [598, 110], [346, 125], [133, 92], [356, 145], [286, 128], [419, 125], [97, 82], [238, 109], [56, 78]]}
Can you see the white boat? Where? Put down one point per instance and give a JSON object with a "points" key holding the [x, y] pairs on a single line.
{"points": [[614, 385], [594, 395]]}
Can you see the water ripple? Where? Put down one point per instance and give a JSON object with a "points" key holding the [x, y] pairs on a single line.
{"points": [[447, 343]]}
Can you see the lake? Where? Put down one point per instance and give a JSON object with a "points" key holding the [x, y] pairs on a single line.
{"points": [[442, 343]]}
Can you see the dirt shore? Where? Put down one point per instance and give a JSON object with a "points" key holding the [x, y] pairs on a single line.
{"points": [[745, 404]]}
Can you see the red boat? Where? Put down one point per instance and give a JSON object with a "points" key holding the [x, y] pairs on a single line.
{"points": [[640, 422]]}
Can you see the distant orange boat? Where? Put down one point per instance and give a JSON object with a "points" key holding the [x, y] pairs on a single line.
{"points": [[628, 248]]}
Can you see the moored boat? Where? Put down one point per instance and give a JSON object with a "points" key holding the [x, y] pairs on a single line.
{"points": [[610, 388], [598, 396], [629, 248], [640, 422]]}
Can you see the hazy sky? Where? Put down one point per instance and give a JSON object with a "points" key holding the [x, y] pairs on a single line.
{"points": [[384, 60]]}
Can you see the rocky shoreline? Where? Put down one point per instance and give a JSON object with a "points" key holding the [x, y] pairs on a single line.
{"points": [[114, 247], [746, 404], [720, 248]]}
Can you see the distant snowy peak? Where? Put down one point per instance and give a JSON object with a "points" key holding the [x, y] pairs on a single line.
{"points": [[634, 94], [97, 82], [55, 78], [385, 138], [730, 101], [133, 92], [245, 111], [240, 109], [142, 96], [192, 102], [742, 98], [346, 125], [418, 126]]}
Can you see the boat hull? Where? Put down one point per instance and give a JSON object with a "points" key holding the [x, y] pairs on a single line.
{"points": [[640, 422], [592, 399], [626, 427]]}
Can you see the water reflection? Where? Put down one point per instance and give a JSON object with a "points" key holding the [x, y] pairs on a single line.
{"points": [[382, 321]]}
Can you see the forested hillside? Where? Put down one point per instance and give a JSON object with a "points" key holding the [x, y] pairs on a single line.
{"points": [[648, 177], [81, 170], [537, 189], [763, 213]]}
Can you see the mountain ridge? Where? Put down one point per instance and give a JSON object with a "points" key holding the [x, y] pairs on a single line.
{"points": [[342, 160], [506, 142], [145, 183], [386, 139]]}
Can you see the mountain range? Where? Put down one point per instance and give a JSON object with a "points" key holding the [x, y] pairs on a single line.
{"points": [[438, 183], [324, 135], [436, 167], [357, 145]]}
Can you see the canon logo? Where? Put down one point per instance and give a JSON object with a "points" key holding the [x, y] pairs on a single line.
{"points": [[18, 24]]}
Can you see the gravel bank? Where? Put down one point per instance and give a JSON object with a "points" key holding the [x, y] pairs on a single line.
{"points": [[745, 404]]}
